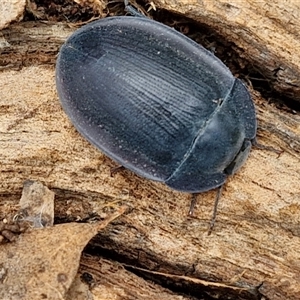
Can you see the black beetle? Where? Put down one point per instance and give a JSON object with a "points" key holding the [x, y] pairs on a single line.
{"points": [[156, 102]]}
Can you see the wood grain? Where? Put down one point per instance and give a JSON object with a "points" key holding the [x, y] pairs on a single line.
{"points": [[253, 251], [265, 33]]}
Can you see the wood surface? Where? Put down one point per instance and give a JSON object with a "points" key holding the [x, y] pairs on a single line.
{"points": [[253, 251], [265, 33]]}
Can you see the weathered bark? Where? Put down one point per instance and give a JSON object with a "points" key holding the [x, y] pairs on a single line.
{"points": [[30, 43], [111, 280], [254, 248]]}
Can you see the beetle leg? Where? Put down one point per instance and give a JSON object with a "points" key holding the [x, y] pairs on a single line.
{"points": [[214, 216], [115, 170], [133, 11], [193, 204], [240, 158], [257, 145]]}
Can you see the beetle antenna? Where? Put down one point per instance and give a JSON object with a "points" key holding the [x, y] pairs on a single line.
{"points": [[214, 216], [133, 11]]}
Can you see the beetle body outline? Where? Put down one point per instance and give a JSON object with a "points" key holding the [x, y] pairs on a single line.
{"points": [[156, 102]]}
